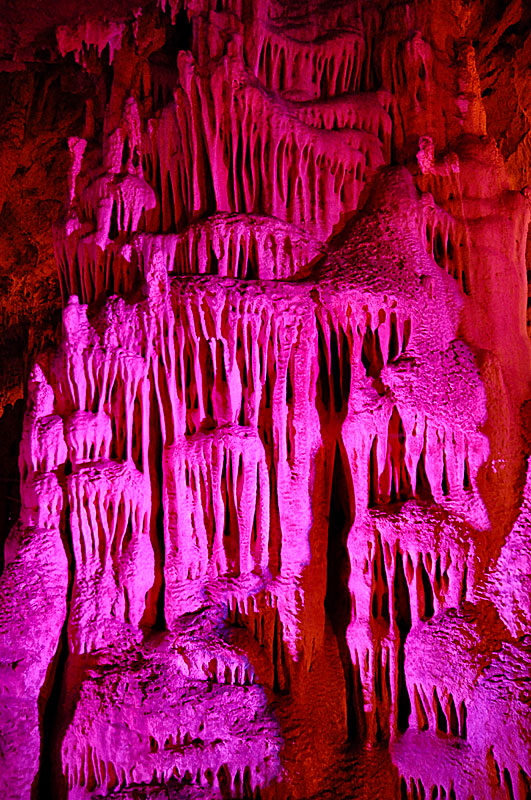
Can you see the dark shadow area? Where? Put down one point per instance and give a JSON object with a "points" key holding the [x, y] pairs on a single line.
{"points": [[338, 603], [10, 437], [162, 62], [154, 615]]}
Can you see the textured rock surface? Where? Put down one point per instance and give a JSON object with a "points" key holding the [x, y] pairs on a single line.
{"points": [[275, 502]]}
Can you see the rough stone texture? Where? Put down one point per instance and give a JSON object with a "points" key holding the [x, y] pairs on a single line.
{"points": [[275, 500]]}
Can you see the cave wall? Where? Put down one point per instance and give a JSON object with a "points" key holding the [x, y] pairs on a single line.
{"points": [[266, 301]]}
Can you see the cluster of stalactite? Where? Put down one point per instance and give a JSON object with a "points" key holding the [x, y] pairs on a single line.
{"points": [[213, 394], [241, 418]]}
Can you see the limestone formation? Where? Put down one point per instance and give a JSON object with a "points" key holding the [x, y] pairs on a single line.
{"points": [[275, 503]]}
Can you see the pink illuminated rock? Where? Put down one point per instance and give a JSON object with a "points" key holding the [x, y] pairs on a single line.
{"points": [[43, 447], [88, 436], [34, 603], [270, 474], [234, 246], [192, 710], [110, 507], [212, 472], [510, 587]]}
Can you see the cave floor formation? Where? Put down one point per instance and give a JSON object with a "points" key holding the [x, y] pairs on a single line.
{"points": [[274, 538]]}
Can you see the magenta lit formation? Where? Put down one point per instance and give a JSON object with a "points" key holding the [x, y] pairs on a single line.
{"points": [[275, 528]]}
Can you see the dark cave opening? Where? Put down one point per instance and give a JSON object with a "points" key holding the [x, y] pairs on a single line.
{"points": [[338, 603], [10, 435]]}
